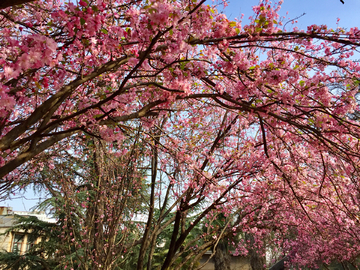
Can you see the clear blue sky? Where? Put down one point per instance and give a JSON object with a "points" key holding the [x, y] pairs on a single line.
{"points": [[317, 12]]}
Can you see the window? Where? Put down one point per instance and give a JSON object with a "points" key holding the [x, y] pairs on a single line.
{"points": [[30, 242], [18, 240]]}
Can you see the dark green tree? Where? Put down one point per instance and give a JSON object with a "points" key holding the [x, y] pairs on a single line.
{"points": [[45, 254]]}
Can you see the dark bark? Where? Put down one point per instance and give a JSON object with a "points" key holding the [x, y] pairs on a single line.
{"points": [[222, 257], [148, 228], [10, 3], [172, 248], [257, 262], [280, 265]]}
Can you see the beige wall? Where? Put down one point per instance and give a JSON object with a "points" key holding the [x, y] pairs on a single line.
{"points": [[5, 240], [6, 222]]}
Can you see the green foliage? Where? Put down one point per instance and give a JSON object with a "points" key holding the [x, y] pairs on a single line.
{"points": [[42, 255]]}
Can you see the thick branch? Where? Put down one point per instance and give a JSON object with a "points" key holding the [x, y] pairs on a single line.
{"points": [[27, 155], [10, 3]]}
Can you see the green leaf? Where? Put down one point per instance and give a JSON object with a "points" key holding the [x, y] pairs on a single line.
{"points": [[104, 31], [82, 21], [152, 10], [232, 24]]}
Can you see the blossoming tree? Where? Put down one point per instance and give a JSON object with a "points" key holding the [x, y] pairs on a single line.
{"points": [[253, 122]]}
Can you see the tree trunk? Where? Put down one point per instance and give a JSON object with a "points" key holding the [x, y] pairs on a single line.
{"points": [[257, 262], [279, 265], [222, 257], [9, 3]]}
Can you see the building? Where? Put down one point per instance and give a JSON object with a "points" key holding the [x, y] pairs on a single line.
{"points": [[16, 241]]}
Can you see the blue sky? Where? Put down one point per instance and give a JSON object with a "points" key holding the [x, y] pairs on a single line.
{"points": [[316, 12], [24, 201]]}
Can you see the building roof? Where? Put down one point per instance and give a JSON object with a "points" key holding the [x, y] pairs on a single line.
{"points": [[7, 216]]}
